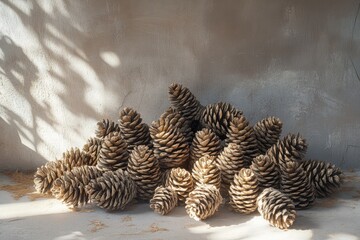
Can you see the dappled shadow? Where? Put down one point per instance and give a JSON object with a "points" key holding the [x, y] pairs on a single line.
{"points": [[50, 85], [70, 64], [14, 153], [21, 72], [66, 64], [225, 217], [20, 140]]}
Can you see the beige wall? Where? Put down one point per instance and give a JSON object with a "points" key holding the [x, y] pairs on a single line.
{"points": [[66, 64]]}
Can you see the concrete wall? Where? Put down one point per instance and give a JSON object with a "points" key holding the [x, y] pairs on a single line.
{"points": [[64, 65]]}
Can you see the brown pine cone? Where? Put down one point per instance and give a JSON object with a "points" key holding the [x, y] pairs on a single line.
{"points": [[132, 129], [266, 172], [185, 102], [203, 202], [230, 161], [92, 148], [165, 177], [267, 132], [295, 183], [77, 158], [113, 190], [240, 132], [181, 181], [244, 191], [70, 187], [164, 200], [276, 208], [204, 143], [291, 148], [217, 117], [144, 169], [170, 146], [177, 120], [325, 177], [48, 173], [105, 127], [205, 171], [113, 153]]}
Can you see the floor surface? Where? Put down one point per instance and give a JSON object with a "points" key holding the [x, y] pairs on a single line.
{"points": [[24, 215]]}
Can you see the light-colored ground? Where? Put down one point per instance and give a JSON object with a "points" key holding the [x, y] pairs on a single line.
{"points": [[26, 216]]}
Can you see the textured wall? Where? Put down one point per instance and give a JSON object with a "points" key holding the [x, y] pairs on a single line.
{"points": [[66, 64]]}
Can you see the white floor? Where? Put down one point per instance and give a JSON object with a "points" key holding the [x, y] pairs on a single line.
{"points": [[337, 217]]}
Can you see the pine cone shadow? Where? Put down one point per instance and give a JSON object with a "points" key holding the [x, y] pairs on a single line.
{"points": [[303, 222], [226, 217]]}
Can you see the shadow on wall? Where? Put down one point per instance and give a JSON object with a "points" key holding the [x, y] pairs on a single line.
{"points": [[48, 84], [67, 64], [20, 72], [11, 146], [61, 69]]}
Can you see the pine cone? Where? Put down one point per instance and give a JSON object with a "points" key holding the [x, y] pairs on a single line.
{"points": [[177, 120], [267, 132], [70, 188], [244, 191], [325, 177], [164, 200], [165, 177], [48, 173], [265, 171], [170, 146], [76, 158], [113, 153], [240, 132], [203, 202], [184, 101], [295, 183], [276, 208], [132, 129], [105, 127], [217, 117], [291, 148], [204, 143], [181, 181], [92, 148], [230, 161], [144, 169], [205, 171], [113, 190]]}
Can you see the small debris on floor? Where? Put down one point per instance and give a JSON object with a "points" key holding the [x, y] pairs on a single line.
{"points": [[156, 228], [23, 185], [96, 225], [126, 219]]}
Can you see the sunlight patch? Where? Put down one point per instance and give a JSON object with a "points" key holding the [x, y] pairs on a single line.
{"points": [[34, 208], [110, 58]]}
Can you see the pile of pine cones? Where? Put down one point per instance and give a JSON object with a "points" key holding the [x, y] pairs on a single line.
{"points": [[195, 156]]}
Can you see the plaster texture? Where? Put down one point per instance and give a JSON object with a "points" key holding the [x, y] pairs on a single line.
{"points": [[64, 65]]}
